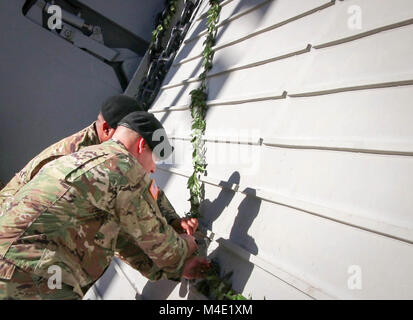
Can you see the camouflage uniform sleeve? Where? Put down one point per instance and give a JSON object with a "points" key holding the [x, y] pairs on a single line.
{"points": [[16, 183], [133, 255], [136, 258], [10, 189], [148, 229], [23, 177], [166, 208]]}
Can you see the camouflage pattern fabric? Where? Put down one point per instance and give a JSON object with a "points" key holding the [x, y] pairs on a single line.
{"points": [[137, 259], [72, 212], [84, 138], [25, 286], [166, 207]]}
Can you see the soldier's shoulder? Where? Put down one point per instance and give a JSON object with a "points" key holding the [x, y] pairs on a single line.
{"points": [[109, 159], [122, 163], [69, 144], [84, 138]]}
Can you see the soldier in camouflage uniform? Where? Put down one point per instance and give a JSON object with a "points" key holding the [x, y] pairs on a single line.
{"points": [[72, 212], [113, 110]]}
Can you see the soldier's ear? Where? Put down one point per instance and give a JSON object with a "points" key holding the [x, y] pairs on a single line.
{"points": [[141, 145], [106, 128]]}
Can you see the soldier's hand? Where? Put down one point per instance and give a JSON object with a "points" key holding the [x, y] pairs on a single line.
{"points": [[185, 225], [190, 240], [195, 268], [189, 225]]}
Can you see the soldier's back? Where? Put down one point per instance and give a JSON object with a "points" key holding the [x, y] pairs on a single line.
{"points": [[64, 216]]}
